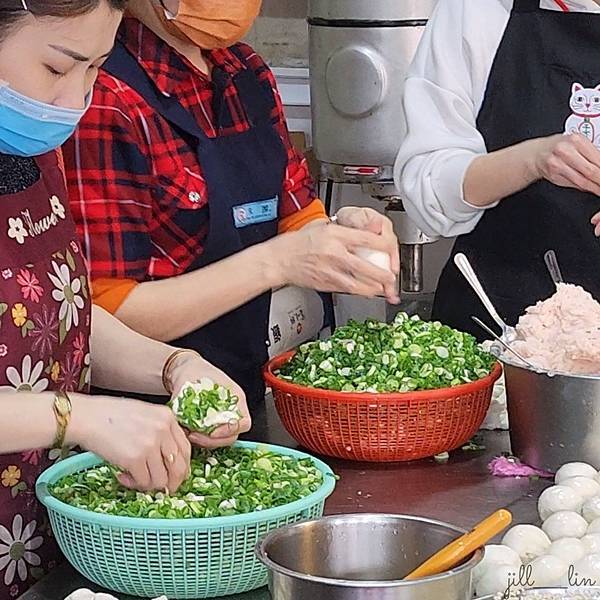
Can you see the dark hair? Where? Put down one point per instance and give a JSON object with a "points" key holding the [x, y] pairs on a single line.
{"points": [[12, 11]]}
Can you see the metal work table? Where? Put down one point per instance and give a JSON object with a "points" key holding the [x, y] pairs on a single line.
{"points": [[460, 492]]}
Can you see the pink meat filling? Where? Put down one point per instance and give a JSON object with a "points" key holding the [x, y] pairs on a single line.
{"points": [[562, 333]]}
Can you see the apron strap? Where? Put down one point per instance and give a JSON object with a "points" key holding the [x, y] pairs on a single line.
{"points": [[523, 6], [123, 65], [258, 101]]}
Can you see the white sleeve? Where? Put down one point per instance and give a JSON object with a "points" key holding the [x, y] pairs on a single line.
{"points": [[442, 98]]}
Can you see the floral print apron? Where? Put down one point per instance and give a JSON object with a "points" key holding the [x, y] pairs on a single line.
{"points": [[44, 345]]}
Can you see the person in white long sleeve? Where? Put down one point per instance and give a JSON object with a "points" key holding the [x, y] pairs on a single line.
{"points": [[494, 88]]}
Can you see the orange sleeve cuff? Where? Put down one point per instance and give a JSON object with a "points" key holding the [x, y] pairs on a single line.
{"points": [[315, 210], [109, 294]]}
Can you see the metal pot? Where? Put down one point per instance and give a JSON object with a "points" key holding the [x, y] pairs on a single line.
{"points": [[362, 557], [553, 419]]}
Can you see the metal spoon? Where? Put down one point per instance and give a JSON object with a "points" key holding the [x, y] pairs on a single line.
{"points": [[553, 267], [464, 266], [505, 345]]}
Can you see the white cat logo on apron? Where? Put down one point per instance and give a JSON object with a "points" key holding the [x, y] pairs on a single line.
{"points": [[585, 116]]}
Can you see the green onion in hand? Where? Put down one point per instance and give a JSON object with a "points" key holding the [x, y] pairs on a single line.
{"points": [[204, 406]]}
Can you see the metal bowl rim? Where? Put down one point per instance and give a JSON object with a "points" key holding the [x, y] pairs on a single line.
{"points": [[281, 570], [555, 375], [553, 589]]}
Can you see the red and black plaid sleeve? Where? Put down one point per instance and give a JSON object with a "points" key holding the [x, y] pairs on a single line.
{"points": [[109, 178]]}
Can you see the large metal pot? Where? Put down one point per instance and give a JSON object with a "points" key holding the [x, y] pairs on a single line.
{"points": [[553, 419], [362, 557]]}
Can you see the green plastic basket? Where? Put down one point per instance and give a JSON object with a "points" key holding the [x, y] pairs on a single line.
{"points": [[180, 558]]}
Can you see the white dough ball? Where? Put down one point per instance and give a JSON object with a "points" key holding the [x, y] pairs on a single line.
{"points": [[81, 594], [528, 541], [587, 568], [585, 487], [496, 580], [559, 498], [565, 524], [569, 549], [575, 469], [594, 526], [547, 570], [375, 257], [591, 509], [591, 541], [496, 554]]}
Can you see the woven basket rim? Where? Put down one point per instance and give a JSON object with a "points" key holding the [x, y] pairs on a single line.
{"points": [[87, 460], [464, 389]]}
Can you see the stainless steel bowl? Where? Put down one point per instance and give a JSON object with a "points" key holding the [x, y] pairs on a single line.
{"points": [[553, 419], [362, 557]]}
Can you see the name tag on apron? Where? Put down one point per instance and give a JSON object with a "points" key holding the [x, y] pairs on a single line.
{"points": [[252, 213]]}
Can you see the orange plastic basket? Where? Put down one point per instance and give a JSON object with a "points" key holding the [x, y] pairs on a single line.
{"points": [[380, 427]]}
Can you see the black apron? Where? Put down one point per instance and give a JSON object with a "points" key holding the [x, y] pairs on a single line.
{"points": [[244, 173], [541, 55]]}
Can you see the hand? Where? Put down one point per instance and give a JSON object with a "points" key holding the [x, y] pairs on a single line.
{"points": [[596, 224], [321, 257], [191, 367], [568, 161], [144, 440], [368, 219]]}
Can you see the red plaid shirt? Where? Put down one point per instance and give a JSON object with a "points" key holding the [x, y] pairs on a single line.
{"points": [[128, 174]]}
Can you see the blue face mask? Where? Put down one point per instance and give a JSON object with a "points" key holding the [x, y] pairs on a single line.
{"points": [[32, 128]]}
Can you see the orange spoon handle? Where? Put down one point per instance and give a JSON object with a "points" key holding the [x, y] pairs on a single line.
{"points": [[455, 552]]}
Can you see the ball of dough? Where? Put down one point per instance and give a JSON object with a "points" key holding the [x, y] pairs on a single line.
{"points": [[569, 549], [594, 526], [565, 524], [559, 498], [575, 469], [528, 541], [591, 542], [496, 581], [375, 257], [496, 554], [547, 570], [586, 488], [587, 568], [591, 509]]}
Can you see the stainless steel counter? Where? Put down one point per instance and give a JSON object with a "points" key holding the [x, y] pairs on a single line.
{"points": [[460, 492]]}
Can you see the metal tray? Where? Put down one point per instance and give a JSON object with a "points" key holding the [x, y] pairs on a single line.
{"points": [[588, 593]]}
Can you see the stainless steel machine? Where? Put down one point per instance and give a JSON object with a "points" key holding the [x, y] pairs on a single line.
{"points": [[359, 55]]}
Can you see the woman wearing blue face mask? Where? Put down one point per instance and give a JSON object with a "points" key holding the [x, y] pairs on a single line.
{"points": [[50, 51]]}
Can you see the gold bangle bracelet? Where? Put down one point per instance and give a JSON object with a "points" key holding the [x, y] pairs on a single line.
{"points": [[166, 372], [62, 412]]}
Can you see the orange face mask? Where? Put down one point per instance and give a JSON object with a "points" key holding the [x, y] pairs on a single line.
{"points": [[211, 23]]}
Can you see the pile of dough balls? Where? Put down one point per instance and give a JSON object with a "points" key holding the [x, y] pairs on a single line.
{"points": [[569, 537]]}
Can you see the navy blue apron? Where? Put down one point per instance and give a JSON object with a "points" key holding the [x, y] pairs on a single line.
{"points": [[244, 173], [541, 55]]}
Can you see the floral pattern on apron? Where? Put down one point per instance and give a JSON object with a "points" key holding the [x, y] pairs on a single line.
{"points": [[45, 313]]}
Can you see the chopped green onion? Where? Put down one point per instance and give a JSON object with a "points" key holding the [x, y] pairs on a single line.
{"points": [[222, 482], [204, 406], [406, 355]]}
